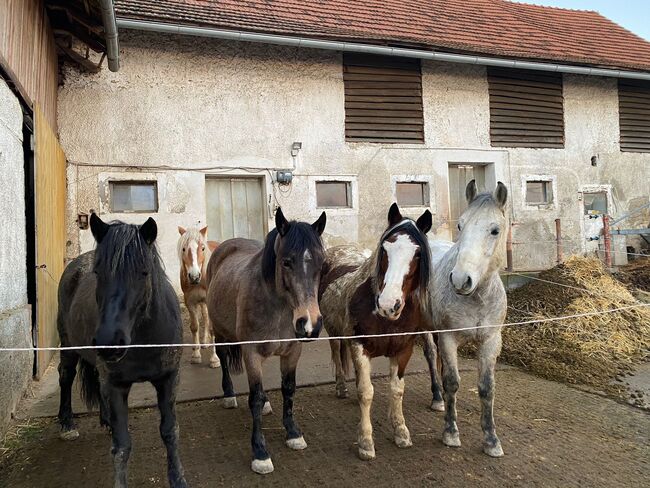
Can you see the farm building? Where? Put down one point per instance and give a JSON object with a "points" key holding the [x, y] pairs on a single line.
{"points": [[348, 107]]}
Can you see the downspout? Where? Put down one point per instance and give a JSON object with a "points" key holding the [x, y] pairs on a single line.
{"points": [[371, 49], [110, 34]]}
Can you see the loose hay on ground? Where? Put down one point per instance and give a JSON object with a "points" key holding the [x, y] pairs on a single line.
{"points": [[636, 274], [590, 350]]}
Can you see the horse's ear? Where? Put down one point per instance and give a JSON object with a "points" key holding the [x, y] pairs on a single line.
{"points": [[149, 231], [394, 215], [204, 231], [501, 194], [98, 227], [425, 222], [471, 191], [281, 222], [181, 230], [319, 225]]}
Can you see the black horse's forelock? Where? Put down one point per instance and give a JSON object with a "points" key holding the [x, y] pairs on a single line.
{"points": [[300, 237], [123, 253], [410, 228]]}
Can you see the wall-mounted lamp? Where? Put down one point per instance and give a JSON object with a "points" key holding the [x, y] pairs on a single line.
{"points": [[295, 147], [82, 221]]}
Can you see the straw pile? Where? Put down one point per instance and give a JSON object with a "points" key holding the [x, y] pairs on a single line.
{"points": [[592, 350]]}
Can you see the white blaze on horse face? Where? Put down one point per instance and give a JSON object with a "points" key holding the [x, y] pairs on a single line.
{"points": [[306, 259], [400, 253], [194, 270]]}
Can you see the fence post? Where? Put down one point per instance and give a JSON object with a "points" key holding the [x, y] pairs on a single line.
{"points": [[558, 240], [607, 238], [509, 249]]}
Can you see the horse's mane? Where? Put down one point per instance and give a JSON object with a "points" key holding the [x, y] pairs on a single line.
{"points": [[300, 237], [409, 227], [123, 252], [191, 234]]}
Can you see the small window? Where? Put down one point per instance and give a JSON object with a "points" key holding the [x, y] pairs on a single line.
{"points": [[412, 194], [538, 192], [595, 203], [333, 194], [134, 196]]}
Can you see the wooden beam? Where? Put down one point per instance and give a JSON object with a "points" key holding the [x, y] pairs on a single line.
{"points": [[78, 58], [95, 44]]}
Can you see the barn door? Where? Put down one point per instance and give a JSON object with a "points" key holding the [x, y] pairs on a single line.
{"points": [[459, 176], [49, 209], [235, 208]]}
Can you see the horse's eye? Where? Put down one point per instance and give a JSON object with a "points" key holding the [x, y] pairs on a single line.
{"points": [[458, 226], [286, 263], [495, 232], [183, 249], [202, 248], [145, 273]]}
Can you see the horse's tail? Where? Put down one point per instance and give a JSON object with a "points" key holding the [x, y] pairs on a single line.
{"points": [[234, 359], [89, 377]]}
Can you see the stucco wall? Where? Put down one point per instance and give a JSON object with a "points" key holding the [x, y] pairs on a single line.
{"points": [[15, 323], [190, 103]]}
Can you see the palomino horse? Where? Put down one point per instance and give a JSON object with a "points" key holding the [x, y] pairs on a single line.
{"points": [[466, 291], [194, 251], [265, 292], [119, 295], [385, 293]]}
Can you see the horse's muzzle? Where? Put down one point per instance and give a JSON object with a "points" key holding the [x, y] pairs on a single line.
{"points": [[305, 329]]}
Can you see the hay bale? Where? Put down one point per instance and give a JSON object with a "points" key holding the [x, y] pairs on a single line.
{"points": [[591, 350]]}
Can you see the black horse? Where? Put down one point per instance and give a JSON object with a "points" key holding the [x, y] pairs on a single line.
{"points": [[119, 295]]}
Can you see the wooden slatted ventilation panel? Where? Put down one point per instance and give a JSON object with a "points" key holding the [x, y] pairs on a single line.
{"points": [[634, 115], [526, 108], [383, 99]]}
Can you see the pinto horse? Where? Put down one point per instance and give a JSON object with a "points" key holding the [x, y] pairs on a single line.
{"points": [[194, 251], [266, 291], [119, 295], [383, 294], [467, 292]]}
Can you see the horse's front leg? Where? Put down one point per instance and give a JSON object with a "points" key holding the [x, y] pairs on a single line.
{"points": [[398, 364], [208, 337], [337, 347], [450, 382], [288, 363], [487, 358], [365, 394], [117, 398], [67, 373], [261, 463], [194, 328], [166, 392], [430, 354]]}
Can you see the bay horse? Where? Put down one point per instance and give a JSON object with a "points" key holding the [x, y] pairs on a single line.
{"points": [[194, 252], [266, 291], [119, 295], [467, 291], [385, 293]]}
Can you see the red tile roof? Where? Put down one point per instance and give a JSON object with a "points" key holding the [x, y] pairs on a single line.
{"points": [[487, 27]]}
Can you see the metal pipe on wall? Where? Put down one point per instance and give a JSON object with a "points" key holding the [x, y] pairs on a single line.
{"points": [[110, 34]]}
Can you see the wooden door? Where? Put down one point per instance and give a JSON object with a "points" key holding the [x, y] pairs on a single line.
{"points": [[459, 176], [49, 209], [235, 208]]}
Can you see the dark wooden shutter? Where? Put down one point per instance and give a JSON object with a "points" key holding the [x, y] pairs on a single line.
{"points": [[526, 108], [634, 115], [383, 99]]}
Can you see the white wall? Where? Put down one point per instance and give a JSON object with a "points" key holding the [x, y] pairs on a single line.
{"points": [[195, 103]]}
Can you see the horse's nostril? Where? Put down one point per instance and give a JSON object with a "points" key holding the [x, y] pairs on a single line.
{"points": [[468, 283], [94, 342], [451, 278], [300, 324], [398, 303]]}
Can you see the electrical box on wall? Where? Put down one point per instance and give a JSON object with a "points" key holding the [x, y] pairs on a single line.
{"points": [[284, 177]]}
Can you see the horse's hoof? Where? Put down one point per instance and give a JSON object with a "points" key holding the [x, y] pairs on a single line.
{"points": [[230, 402], [69, 435], [215, 363], [438, 405], [297, 444], [493, 451], [402, 437], [195, 359], [451, 439], [266, 409], [366, 454], [341, 391], [262, 466], [178, 483]]}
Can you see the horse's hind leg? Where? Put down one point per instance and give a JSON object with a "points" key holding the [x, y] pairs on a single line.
{"points": [[118, 397], [429, 347], [365, 393], [194, 327], [166, 392], [337, 348], [67, 373], [295, 439], [229, 397], [398, 364], [487, 359], [208, 337], [261, 463], [450, 383]]}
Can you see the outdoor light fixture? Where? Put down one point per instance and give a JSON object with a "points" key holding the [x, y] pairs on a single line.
{"points": [[82, 221], [295, 147]]}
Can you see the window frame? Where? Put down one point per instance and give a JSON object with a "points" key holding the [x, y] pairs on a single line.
{"points": [[633, 128], [551, 191], [348, 194], [144, 182], [426, 193]]}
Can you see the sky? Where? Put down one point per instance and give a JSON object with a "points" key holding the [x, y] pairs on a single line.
{"points": [[634, 15]]}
